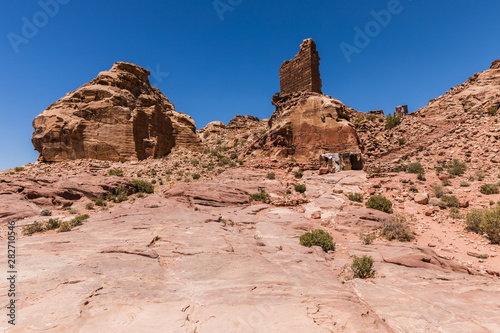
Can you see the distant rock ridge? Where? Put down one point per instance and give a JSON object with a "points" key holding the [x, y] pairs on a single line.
{"points": [[118, 116]]}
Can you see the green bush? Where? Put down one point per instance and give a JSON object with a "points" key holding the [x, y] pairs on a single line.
{"points": [[401, 141], [379, 202], [485, 221], [271, 175], [71, 210], [492, 110], [46, 212], [233, 156], [77, 221], [115, 172], [392, 121], [89, 206], [298, 174], [261, 195], [100, 202], [19, 169], [119, 194], [301, 188], [489, 189], [52, 224], [143, 186], [397, 227], [318, 237], [196, 176], [362, 268], [358, 197], [415, 168], [456, 167], [449, 201], [32, 228], [64, 227]]}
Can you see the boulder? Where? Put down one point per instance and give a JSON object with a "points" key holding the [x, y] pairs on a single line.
{"points": [[118, 116], [422, 198]]}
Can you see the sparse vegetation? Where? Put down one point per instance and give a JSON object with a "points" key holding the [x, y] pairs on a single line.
{"points": [[362, 267], [115, 172], [421, 176], [71, 210], [392, 121], [438, 190], [379, 202], [52, 224], [271, 175], [318, 237], [301, 188], [357, 197], [367, 239], [485, 221], [46, 212], [89, 206], [401, 141], [196, 176], [446, 182], [118, 195], [415, 168], [489, 189], [32, 228], [100, 202], [456, 167], [492, 110], [455, 213], [449, 201], [298, 174], [143, 186], [262, 195], [398, 228]]}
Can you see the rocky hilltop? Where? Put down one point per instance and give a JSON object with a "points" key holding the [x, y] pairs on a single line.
{"points": [[463, 124], [118, 116]]}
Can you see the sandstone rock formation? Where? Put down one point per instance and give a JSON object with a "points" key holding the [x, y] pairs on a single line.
{"points": [[305, 125], [118, 116]]}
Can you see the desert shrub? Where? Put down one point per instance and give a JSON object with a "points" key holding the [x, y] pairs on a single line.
{"points": [[455, 213], [358, 197], [438, 190], [392, 121], [489, 189], [449, 201], [115, 172], [359, 119], [100, 202], [456, 167], [298, 174], [362, 267], [439, 170], [421, 176], [77, 221], [401, 141], [413, 189], [318, 237], [71, 210], [143, 186], [118, 195], [52, 224], [196, 176], [89, 206], [367, 239], [64, 227], [46, 212], [19, 169], [480, 175], [446, 182], [140, 195], [415, 168], [233, 156], [32, 228], [262, 195], [271, 175], [397, 227], [485, 221], [301, 188], [464, 184], [492, 110], [371, 117], [379, 202]]}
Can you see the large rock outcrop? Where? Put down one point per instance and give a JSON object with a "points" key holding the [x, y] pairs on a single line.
{"points": [[307, 124], [118, 116]]}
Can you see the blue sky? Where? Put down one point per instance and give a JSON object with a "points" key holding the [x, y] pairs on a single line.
{"points": [[218, 59]]}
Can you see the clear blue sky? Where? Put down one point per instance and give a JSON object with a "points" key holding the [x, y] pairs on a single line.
{"points": [[214, 64]]}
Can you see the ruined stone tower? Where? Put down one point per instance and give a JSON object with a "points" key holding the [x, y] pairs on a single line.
{"points": [[301, 74]]}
